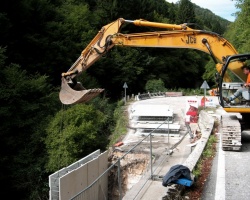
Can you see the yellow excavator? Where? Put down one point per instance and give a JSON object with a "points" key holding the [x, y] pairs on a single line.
{"points": [[228, 63]]}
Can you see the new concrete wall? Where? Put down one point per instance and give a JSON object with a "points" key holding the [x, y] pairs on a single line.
{"points": [[80, 175]]}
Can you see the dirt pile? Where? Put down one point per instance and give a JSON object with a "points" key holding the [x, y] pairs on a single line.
{"points": [[130, 170]]}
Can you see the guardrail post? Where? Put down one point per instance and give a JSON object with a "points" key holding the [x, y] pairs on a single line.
{"points": [[168, 130], [151, 156], [119, 179]]}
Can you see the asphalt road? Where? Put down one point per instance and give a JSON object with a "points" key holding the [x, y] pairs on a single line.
{"points": [[230, 175]]}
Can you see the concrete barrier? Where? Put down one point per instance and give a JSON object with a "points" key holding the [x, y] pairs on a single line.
{"points": [[206, 124]]}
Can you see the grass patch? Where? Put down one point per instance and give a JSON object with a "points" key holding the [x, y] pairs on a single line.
{"points": [[202, 169], [121, 122], [207, 153], [209, 150]]}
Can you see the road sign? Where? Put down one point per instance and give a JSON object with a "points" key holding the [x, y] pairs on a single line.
{"points": [[125, 85], [205, 85]]}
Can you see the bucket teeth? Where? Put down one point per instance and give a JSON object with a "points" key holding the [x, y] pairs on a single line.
{"points": [[69, 96]]}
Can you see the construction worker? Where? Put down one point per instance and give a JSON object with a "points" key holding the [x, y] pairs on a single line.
{"points": [[246, 70]]}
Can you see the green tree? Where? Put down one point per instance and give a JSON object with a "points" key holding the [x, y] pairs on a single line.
{"points": [[52, 32], [110, 10], [238, 32], [155, 86], [172, 12], [185, 13], [73, 134], [209, 74], [27, 104]]}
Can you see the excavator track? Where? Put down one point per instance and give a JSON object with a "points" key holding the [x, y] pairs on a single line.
{"points": [[231, 133]]}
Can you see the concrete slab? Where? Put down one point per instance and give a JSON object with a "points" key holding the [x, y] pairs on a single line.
{"points": [[151, 110], [152, 189]]}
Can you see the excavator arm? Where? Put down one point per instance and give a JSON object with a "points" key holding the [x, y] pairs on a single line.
{"points": [[73, 92], [172, 36]]}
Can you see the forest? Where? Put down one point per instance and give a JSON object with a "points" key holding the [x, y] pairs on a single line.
{"points": [[40, 39]]}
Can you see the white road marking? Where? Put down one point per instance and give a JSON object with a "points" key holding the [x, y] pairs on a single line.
{"points": [[220, 192]]}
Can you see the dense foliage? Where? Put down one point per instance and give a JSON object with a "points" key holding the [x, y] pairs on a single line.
{"points": [[239, 31], [155, 86], [80, 134], [27, 105], [40, 39]]}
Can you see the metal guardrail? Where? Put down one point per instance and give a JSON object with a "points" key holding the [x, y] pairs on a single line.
{"points": [[151, 95], [158, 94]]}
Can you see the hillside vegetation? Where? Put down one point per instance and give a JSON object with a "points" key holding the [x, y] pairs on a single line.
{"points": [[40, 39]]}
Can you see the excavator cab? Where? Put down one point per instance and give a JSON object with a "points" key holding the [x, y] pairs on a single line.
{"points": [[235, 81]]}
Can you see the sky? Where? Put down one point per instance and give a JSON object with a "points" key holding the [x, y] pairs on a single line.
{"points": [[222, 8]]}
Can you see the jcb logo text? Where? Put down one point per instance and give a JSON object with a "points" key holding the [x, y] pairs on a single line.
{"points": [[191, 39]]}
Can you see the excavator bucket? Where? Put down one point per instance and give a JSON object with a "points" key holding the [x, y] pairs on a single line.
{"points": [[79, 94]]}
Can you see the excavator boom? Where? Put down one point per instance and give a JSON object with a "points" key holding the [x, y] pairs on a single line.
{"points": [[222, 52], [172, 36]]}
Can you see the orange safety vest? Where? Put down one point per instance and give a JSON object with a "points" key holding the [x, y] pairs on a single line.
{"points": [[248, 78]]}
